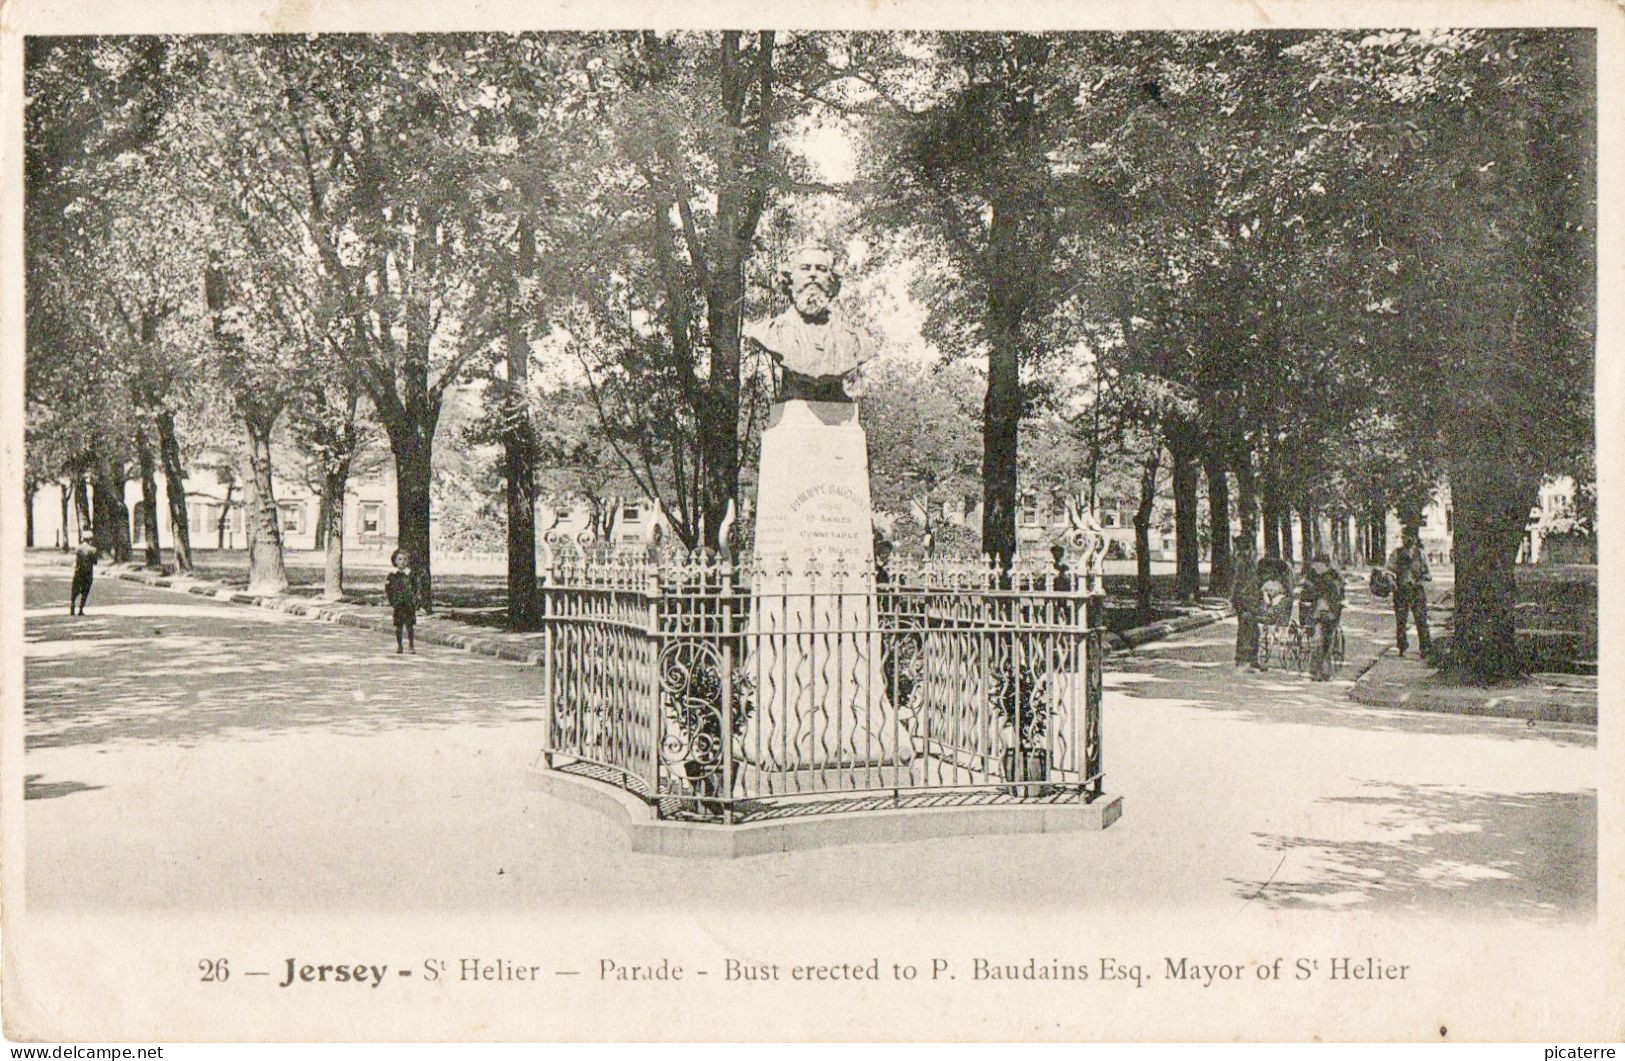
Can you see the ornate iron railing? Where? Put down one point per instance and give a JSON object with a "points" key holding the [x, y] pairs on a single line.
{"points": [[732, 694]]}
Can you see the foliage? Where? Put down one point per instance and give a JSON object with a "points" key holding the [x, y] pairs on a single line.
{"points": [[578, 464], [923, 431], [1014, 694], [986, 165], [1345, 266]]}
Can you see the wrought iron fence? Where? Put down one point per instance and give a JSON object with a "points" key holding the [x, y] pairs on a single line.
{"points": [[737, 693]]}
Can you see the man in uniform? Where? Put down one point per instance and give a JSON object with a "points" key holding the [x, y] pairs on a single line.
{"points": [[1409, 566]]}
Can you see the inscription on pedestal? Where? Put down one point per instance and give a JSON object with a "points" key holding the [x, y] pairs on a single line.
{"points": [[813, 494], [816, 663]]}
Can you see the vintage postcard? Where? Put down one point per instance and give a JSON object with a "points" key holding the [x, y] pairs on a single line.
{"points": [[824, 521]]}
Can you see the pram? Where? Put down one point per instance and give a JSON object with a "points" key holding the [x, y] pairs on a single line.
{"points": [[1286, 639]]}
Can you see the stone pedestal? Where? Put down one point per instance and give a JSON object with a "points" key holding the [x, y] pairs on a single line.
{"points": [[812, 493], [815, 644]]}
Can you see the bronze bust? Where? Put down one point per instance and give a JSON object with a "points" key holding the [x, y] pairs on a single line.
{"points": [[815, 347]]}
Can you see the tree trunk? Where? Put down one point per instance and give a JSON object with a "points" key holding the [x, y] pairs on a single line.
{"points": [[180, 528], [112, 515], [149, 502], [1377, 534], [1491, 508], [1285, 526], [519, 466], [29, 490], [1187, 554], [1272, 516], [81, 503], [324, 509], [1246, 496], [596, 519], [524, 610], [225, 516], [1309, 532], [1142, 534], [1001, 426], [719, 428], [332, 530], [413, 471], [1218, 521], [66, 491], [267, 573]]}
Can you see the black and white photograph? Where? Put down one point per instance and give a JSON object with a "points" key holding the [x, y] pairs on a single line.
{"points": [[903, 524]]}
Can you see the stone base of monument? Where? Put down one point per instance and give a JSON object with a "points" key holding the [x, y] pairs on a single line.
{"points": [[815, 662], [690, 839]]}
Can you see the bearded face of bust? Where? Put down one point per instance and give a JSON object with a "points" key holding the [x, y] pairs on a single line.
{"points": [[812, 282]]}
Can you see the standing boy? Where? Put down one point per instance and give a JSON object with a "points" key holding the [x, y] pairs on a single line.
{"points": [[84, 573], [401, 589]]}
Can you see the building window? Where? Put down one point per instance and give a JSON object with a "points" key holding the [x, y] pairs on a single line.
{"points": [[293, 516], [1029, 510], [1448, 513], [372, 518], [631, 513], [1108, 518]]}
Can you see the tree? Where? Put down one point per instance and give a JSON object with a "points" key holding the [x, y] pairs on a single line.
{"points": [[354, 147], [578, 463], [680, 171], [1488, 262], [519, 451], [146, 265], [921, 423], [95, 106], [985, 159], [528, 113], [256, 364], [325, 415]]}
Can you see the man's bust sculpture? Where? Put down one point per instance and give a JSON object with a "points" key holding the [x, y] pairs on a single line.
{"points": [[815, 347]]}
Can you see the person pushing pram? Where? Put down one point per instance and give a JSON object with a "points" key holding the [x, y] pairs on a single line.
{"points": [[1274, 609], [1301, 612], [1320, 613]]}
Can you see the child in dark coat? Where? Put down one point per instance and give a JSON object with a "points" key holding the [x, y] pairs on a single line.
{"points": [[401, 590], [84, 573]]}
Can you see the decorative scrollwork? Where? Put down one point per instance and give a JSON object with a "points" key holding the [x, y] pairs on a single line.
{"points": [[902, 664], [691, 695]]}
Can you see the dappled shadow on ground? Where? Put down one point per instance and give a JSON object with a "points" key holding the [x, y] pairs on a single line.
{"points": [[35, 788], [150, 665], [1432, 847]]}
